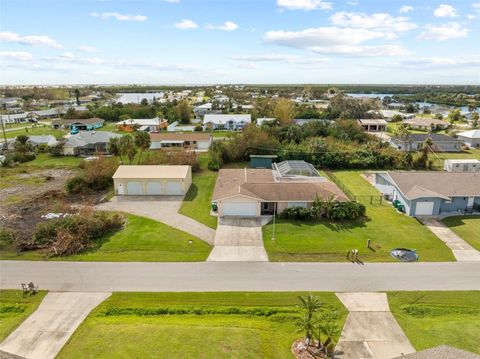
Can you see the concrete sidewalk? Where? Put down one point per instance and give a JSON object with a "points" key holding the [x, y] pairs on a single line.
{"points": [[163, 210], [45, 332], [370, 331], [461, 249]]}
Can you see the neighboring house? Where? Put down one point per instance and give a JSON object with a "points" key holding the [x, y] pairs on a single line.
{"points": [[255, 192], [440, 143], [262, 120], [388, 114], [48, 140], [426, 124], [466, 165], [152, 180], [176, 127], [231, 122], [373, 125], [142, 124], [470, 138], [190, 140], [431, 193], [88, 124], [14, 118], [88, 143], [46, 114], [201, 110]]}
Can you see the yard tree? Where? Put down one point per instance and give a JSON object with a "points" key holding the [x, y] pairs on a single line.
{"points": [[114, 147], [397, 118], [142, 141], [182, 111], [306, 323], [127, 147], [454, 115], [475, 118], [284, 110], [144, 102], [77, 96]]}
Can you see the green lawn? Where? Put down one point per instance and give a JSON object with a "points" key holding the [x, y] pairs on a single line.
{"points": [[467, 228], [14, 309], [239, 325], [329, 241], [434, 318], [197, 202], [40, 130], [44, 160], [439, 157], [221, 134], [143, 240]]}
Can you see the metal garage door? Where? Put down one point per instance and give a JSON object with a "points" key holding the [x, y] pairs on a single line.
{"points": [[154, 188], [247, 209], [134, 188], [174, 188], [424, 208]]}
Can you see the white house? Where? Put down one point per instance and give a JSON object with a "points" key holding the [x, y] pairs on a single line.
{"points": [[262, 120], [464, 165], [470, 138], [388, 114], [227, 122], [199, 141]]}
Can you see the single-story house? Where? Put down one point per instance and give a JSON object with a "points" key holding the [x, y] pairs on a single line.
{"points": [[426, 124], [88, 143], [227, 122], [470, 138], [262, 120], [14, 118], [388, 114], [152, 180], [255, 192], [431, 193], [48, 140], [373, 125], [46, 114], [463, 165], [176, 127], [201, 110], [87, 124], [143, 124], [189, 140], [441, 143], [262, 161]]}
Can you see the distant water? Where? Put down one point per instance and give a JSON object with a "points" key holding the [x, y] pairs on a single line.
{"points": [[138, 97], [371, 95]]}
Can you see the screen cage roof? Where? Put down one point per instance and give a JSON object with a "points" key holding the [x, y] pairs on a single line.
{"points": [[295, 168]]}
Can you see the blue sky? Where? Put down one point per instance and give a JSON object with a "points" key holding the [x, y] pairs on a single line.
{"points": [[239, 41]]}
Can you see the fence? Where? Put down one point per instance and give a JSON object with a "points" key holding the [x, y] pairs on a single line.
{"points": [[372, 199]]}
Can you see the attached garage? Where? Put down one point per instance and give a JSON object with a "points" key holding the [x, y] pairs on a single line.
{"points": [[424, 208], [241, 209], [152, 180]]}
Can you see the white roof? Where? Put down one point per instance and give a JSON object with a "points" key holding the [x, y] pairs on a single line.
{"points": [[151, 172], [223, 119], [470, 134], [391, 113], [470, 160], [140, 121], [262, 120]]}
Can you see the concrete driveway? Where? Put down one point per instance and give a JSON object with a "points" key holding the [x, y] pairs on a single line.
{"points": [[163, 209], [461, 249], [45, 332], [370, 331], [238, 240]]}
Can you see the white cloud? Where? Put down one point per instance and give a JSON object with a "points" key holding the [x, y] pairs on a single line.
{"points": [[227, 26], [41, 40], [471, 17], [439, 62], [451, 30], [16, 55], [405, 9], [445, 11], [186, 24], [284, 58], [335, 40], [118, 16], [86, 48], [353, 3], [380, 21], [304, 4]]}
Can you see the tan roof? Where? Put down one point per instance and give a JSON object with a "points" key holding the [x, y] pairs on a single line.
{"points": [[425, 121], [368, 121], [441, 352], [180, 136], [151, 172], [260, 184], [437, 184]]}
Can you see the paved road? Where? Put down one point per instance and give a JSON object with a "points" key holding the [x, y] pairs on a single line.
{"points": [[164, 210], [240, 276]]}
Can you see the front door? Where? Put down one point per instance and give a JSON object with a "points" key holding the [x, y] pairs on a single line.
{"points": [[470, 202]]}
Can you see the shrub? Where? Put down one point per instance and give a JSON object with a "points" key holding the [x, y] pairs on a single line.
{"points": [[7, 237], [76, 184], [198, 128], [297, 213], [56, 150], [42, 148], [340, 211], [97, 176]]}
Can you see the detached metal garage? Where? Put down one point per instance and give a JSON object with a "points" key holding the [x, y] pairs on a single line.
{"points": [[152, 180]]}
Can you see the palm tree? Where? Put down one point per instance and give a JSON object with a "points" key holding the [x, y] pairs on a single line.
{"points": [[306, 323], [127, 147], [114, 147], [141, 139]]}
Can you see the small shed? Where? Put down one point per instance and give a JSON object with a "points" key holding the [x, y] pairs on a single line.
{"points": [[152, 180], [261, 161]]}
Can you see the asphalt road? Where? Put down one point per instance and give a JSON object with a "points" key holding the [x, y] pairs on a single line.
{"points": [[240, 276]]}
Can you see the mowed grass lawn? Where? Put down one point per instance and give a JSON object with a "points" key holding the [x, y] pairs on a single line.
{"points": [[238, 325], [197, 202], [439, 157], [434, 318], [467, 228], [142, 240], [40, 130], [15, 308], [328, 241]]}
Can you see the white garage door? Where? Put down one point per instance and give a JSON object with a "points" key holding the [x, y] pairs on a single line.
{"points": [[154, 188], [174, 188], [246, 209], [424, 208], [134, 188]]}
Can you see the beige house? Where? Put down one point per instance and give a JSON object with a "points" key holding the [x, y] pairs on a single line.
{"points": [[426, 124], [200, 141], [256, 192], [152, 180]]}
